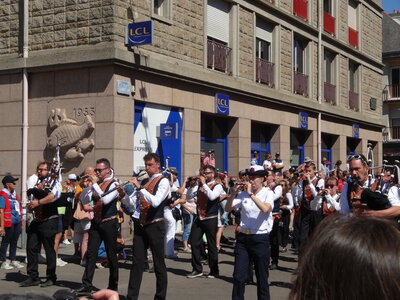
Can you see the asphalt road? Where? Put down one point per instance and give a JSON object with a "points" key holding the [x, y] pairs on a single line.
{"points": [[179, 286]]}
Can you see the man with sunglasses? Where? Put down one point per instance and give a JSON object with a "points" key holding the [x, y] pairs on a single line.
{"points": [[208, 196], [104, 226], [378, 205]]}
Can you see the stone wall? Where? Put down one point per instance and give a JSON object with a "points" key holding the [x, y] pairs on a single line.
{"points": [[371, 88], [9, 26], [343, 28], [286, 59], [246, 44], [286, 5], [343, 81], [314, 71], [371, 34]]}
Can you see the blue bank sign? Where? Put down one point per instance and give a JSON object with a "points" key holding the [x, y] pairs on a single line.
{"points": [[222, 104], [169, 131], [303, 120], [140, 33], [356, 131]]}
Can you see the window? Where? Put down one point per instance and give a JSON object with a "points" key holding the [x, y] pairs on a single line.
{"points": [[264, 67], [395, 83], [162, 8], [218, 52], [329, 20], [328, 6], [352, 22], [329, 77], [299, 64], [353, 86]]}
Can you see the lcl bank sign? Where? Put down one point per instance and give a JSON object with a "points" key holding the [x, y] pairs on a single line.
{"points": [[140, 33], [222, 104]]}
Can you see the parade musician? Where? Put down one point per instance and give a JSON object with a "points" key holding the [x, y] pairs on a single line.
{"points": [[357, 198], [42, 229], [148, 199]]}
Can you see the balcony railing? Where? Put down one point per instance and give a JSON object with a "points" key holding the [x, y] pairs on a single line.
{"points": [[300, 83], [330, 93], [353, 101], [218, 56], [391, 134], [265, 71], [353, 37], [300, 8], [329, 23], [391, 92]]}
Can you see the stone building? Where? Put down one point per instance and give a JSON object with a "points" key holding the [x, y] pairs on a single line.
{"points": [[391, 86], [298, 77]]}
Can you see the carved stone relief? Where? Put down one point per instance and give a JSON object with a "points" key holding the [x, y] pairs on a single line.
{"points": [[72, 137]]}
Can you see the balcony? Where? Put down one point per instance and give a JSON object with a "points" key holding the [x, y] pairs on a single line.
{"points": [[300, 84], [391, 92], [329, 23], [353, 101], [330, 93], [391, 134], [265, 72], [300, 8], [353, 37], [219, 56]]}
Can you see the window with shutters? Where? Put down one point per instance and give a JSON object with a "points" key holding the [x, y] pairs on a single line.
{"points": [[219, 54], [329, 19], [264, 64], [352, 23]]}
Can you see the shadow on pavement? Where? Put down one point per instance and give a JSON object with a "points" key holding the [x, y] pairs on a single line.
{"points": [[17, 277], [281, 284]]}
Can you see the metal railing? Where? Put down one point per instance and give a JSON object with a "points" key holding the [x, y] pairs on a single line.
{"points": [[353, 101], [300, 8], [330, 93], [391, 134], [219, 56], [265, 71], [391, 92], [329, 23], [300, 83], [353, 37]]}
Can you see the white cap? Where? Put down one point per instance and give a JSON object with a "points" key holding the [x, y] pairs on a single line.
{"points": [[72, 177]]}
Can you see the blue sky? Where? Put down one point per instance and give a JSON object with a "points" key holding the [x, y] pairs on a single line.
{"points": [[389, 5]]}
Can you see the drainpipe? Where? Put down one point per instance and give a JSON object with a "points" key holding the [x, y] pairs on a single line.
{"points": [[25, 124], [320, 11]]}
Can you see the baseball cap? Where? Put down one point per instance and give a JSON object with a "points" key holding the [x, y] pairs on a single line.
{"points": [[173, 170], [9, 179], [277, 153]]}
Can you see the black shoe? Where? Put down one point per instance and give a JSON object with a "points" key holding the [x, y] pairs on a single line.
{"points": [[273, 266], [29, 282], [47, 283], [194, 274], [213, 275], [83, 290]]}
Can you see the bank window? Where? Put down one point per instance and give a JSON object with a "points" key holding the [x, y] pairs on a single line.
{"points": [[162, 8]]}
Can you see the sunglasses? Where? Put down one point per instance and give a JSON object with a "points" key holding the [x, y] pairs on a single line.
{"points": [[330, 186], [45, 169], [207, 173], [358, 156], [99, 170]]}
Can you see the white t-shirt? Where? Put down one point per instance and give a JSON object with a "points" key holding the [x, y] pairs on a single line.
{"points": [[251, 217], [267, 164]]}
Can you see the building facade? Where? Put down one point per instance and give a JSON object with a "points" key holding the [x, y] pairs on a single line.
{"points": [[391, 86], [302, 78]]}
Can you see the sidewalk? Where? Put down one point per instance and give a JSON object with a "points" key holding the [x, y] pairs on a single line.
{"points": [[179, 286]]}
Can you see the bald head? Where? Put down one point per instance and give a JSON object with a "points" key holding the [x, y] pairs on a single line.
{"points": [[89, 170]]}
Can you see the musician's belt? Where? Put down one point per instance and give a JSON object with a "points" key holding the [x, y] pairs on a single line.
{"points": [[152, 221], [49, 218], [250, 231], [108, 219]]}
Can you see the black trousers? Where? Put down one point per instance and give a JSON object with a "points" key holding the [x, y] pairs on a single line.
{"points": [[41, 233], [274, 240], [208, 227], [152, 236], [284, 228], [251, 247], [107, 232]]}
